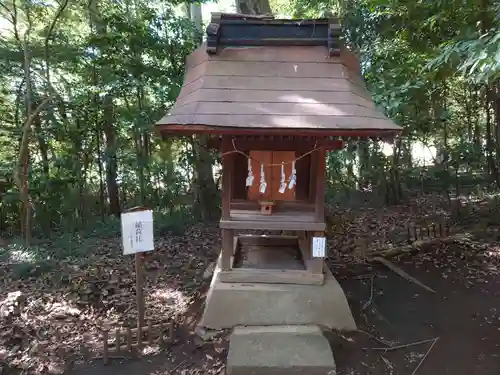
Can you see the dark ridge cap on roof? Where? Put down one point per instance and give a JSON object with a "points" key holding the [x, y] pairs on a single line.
{"points": [[244, 30]]}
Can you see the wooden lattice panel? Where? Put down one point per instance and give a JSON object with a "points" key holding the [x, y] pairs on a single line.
{"points": [[131, 340]]}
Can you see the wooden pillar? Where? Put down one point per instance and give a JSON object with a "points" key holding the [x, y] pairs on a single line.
{"points": [[227, 249], [227, 193], [227, 177], [319, 202], [316, 265], [319, 205], [313, 176]]}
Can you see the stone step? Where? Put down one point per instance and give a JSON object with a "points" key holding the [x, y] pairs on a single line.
{"points": [[279, 350], [262, 304]]}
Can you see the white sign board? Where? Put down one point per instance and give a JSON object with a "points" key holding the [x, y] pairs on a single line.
{"points": [[137, 231], [319, 247]]}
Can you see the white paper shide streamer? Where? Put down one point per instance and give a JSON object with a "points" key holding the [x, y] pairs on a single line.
{"points": [[282, 183], [293, 177], [263, 184], [250, 177]]}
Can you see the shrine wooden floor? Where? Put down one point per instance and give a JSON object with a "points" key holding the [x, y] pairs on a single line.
{"points": [[261, 256], [286, 220]]}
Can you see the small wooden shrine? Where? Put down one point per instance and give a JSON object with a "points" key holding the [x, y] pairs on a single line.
{"points": [[274, 96]]}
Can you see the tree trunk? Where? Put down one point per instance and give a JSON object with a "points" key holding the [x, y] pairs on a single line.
{"points": [[98, 139], [110, 152], [253, 7], [142, 148], [395, 184], [364, 164], [495, 100], [42, 144], [492, 168], [108, 127], [24, 154], [206, 204], [477, 124]]}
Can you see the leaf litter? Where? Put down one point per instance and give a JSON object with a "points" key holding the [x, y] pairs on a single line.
{"points": [[78, 300], [74, 302]]}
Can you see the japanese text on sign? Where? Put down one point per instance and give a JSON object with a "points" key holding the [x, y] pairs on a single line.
{"points": [[318, 247], [137, 231]]}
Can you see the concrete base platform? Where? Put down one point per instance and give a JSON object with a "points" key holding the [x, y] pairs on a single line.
{"points": [[242, 304], [279, 350]]}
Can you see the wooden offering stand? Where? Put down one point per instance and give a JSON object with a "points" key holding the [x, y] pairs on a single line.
{"points": [[266, 207]]}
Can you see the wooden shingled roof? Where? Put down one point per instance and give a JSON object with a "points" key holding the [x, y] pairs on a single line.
{"points": [[281, 75]]}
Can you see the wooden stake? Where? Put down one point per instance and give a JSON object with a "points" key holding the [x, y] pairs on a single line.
{"points": [[139, 259], [84, 350], [118, 341], [129, 339], [139, 299], [160, 338], [105, 347], [150, 332], [139, 291], [170, 331]]}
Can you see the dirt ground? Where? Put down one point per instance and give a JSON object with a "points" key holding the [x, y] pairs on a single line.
{"points": [[463, 315]]}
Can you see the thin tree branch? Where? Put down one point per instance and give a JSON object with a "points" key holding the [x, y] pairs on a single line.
{"points": [[49, 35], [391, 348], [25, 137], [425, 356]]}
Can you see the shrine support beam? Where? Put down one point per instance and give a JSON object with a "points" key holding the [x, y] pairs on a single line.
{"points": [[319, 202], [227, 192]]}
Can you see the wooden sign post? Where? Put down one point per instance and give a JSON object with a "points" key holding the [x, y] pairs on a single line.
{"points": [[137, 235]]}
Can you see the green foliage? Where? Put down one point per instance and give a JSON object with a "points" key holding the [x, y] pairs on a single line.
{"points": [[478, 59], [111, 72], [110, 82]]}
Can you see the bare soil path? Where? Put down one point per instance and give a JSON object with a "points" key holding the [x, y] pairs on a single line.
{"points": [[464, 313]]}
